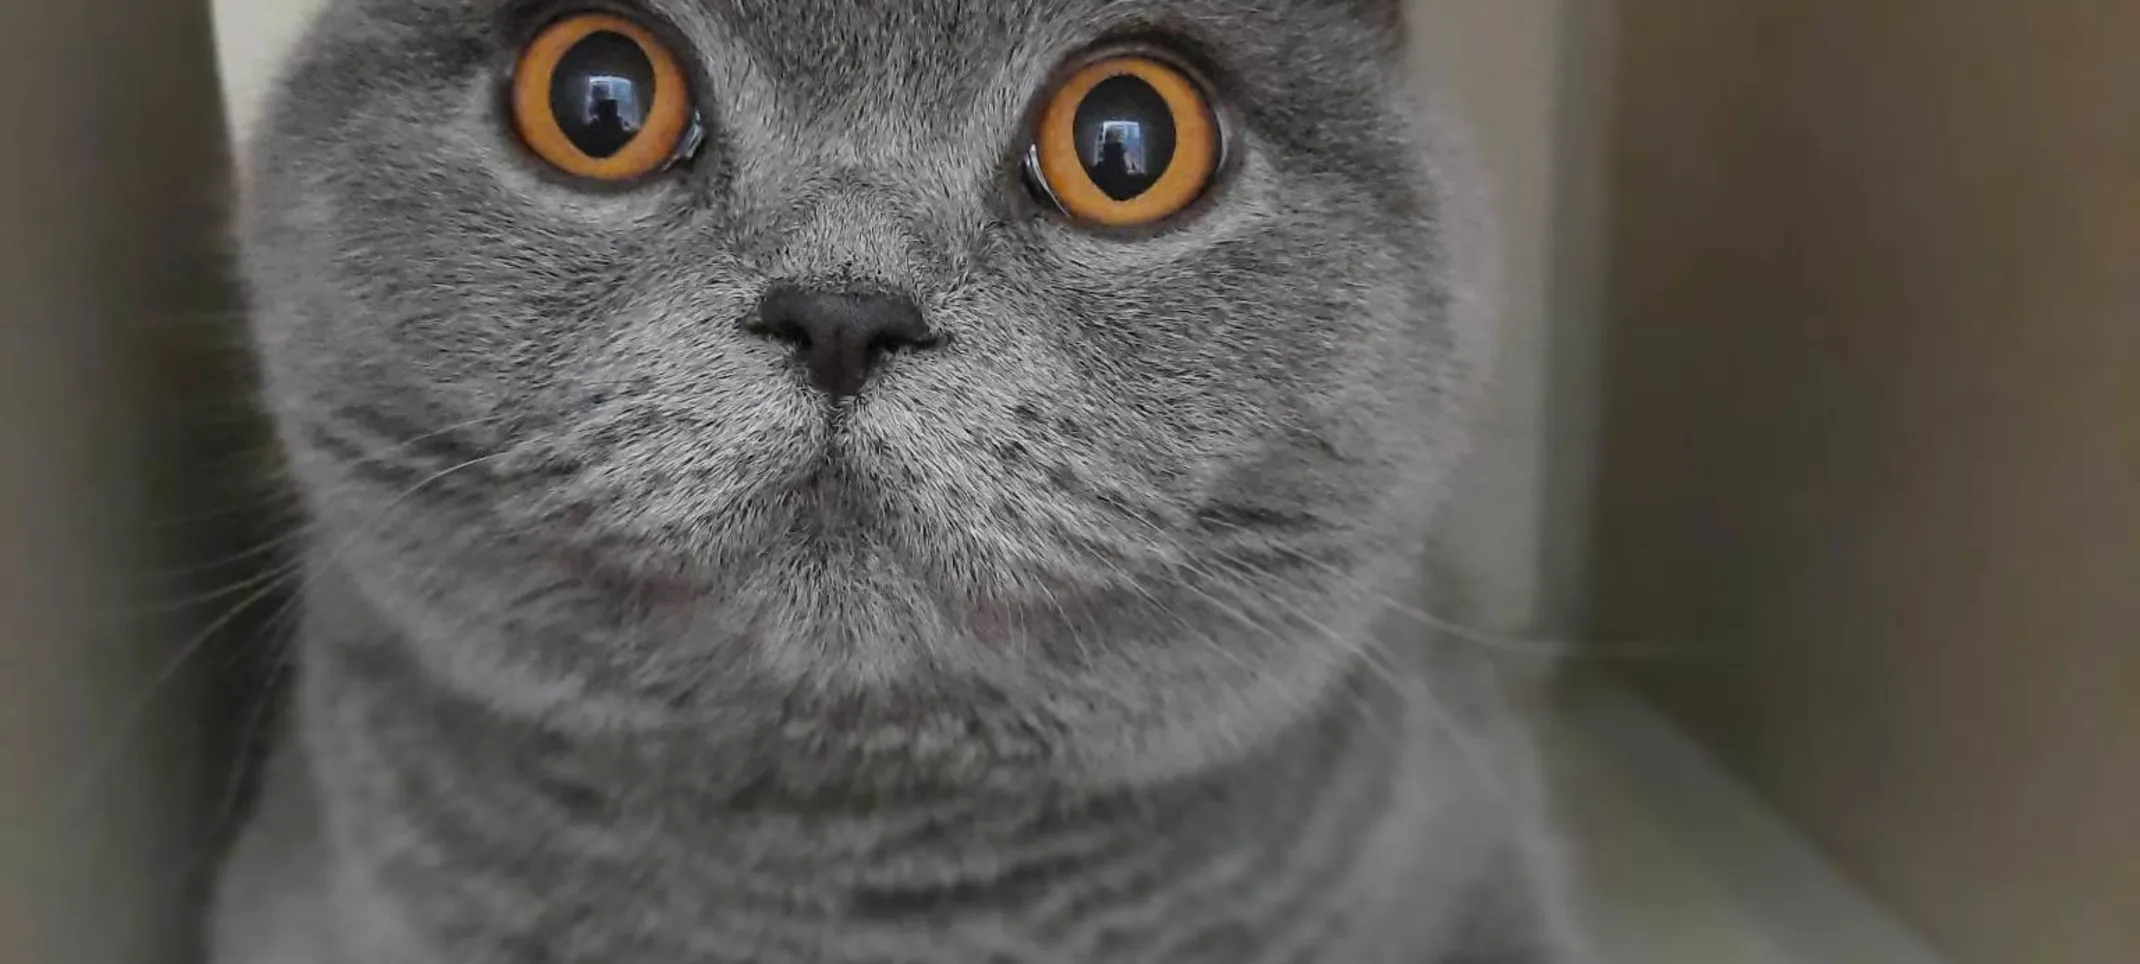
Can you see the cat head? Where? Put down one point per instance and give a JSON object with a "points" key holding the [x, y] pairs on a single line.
{"points": [[1013, 386]]}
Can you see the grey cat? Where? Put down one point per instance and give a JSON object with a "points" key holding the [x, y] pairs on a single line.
{"points": [[827, 546]]}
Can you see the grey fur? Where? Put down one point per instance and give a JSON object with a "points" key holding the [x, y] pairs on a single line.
{"points": [[1067, 641]]}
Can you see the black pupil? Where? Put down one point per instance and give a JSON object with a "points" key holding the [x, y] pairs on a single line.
{"points": [[1125, 136], [602, 92]]}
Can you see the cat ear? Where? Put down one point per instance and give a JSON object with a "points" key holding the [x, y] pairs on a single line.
{"points": [[1383, 14], [1387, 14], [1389, 19]]}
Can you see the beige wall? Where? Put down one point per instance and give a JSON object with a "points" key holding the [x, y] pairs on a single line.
{"points": [[107, 186], [1869, 453]]}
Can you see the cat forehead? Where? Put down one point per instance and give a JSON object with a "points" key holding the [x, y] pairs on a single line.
{"points": [[862, 40], [850, 36], [915, 58], [925, 58]]}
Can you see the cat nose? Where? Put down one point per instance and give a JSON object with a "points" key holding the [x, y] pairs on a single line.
{"points": [[840, 336]]}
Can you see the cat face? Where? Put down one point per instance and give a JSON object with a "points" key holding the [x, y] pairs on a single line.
{"points": [[845, 422]]}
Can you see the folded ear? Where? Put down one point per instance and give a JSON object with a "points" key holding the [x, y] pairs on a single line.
{"points": [[1387, 14], [1388, 18]]}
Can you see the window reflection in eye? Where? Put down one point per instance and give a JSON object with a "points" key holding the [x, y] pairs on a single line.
{"points": [[1126, 133], [1120, 148], [602, 91], [613, 101]]}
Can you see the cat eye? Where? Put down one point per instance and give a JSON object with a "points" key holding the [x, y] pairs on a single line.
{"points": [[1125, 141], [600, 97]]}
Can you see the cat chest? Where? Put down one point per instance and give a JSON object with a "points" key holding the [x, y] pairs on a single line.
{"points": [[926, 894]]}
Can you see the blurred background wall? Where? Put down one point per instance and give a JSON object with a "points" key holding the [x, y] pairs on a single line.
{"points": [[109, 175], [1869, 456]]}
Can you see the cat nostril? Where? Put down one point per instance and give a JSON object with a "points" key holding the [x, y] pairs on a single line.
{"points": [[840, 335]]}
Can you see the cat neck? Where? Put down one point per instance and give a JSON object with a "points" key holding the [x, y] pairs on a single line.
{"points": [[371, 704], [449, 813]]}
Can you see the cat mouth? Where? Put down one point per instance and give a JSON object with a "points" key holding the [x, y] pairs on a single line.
{"points": [[832, 499], [826, 512]]}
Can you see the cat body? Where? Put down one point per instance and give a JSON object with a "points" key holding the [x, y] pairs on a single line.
{"points": [[453, 836], [1066, 633]]}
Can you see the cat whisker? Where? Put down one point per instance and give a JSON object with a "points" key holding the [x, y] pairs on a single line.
{"points": [[298, 529], [275, 633], [1413, 693], [271, 501], [224, 816], [108, 750], [273, 574], [1518, 645]]}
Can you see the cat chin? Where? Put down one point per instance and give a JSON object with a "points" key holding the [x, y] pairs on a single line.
{"points": [[1008, 688], [1097, 731]]}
